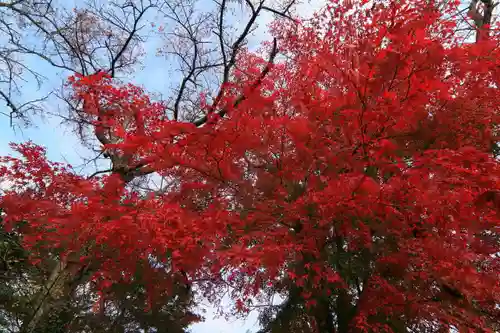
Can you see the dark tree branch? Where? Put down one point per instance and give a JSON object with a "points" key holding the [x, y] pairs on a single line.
{"points": [[234, 53], [254, 86]]}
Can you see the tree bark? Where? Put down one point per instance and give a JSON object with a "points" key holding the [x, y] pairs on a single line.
{"points": [[323, 316], [51, 305], [55, 297]]}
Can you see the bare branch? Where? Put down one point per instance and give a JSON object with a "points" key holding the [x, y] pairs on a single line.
{"points": [[254, 86], [228, 66]]}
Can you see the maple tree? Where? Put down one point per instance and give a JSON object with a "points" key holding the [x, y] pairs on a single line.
{"points": [[356, 175], [111, 36]]}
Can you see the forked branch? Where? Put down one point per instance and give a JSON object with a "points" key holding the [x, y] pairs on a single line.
{"points": [[255, 85]]}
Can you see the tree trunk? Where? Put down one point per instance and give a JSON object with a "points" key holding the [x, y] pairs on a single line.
{"points": [[344, 311], [51, 307], [323, 316], [53, 301]]}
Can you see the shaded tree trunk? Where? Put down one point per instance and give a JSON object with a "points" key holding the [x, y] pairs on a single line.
{"points": [[51, 307], [323, 316]]}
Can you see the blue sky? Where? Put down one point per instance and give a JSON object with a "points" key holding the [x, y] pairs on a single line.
{"points": [[63, 146]]}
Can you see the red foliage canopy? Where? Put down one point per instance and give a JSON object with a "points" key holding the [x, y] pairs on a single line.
{"points": [[360, 169]]}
